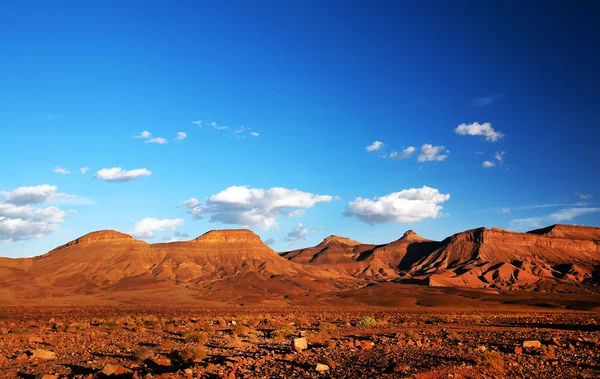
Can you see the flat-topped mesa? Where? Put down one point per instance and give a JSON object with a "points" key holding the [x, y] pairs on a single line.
{"points": [[102, 236], [229, 236], [569, 231], [411, 236], [336, 240]]}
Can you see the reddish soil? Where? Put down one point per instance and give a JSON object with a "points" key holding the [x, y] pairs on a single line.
{"points": [[247, 342]]}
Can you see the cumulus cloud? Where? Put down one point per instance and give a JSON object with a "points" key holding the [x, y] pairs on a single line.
{"points": [[375, 146], [406, 206], [146, 227], [477, 129], [561, 215], [44, 193], [404, 154], [506, 210], [83, 170], [487, 100], [584, 196], [30, 195], [488, 164], [22, 217], [157, 140], [117, 174], [62, 171], [198, 122], [254, 207], [299, 232], [180, 135], [145, 134], [433, 153], [254, 134]]}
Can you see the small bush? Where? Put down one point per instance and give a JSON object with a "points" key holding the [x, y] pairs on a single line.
{"points": [[142, 353], [367, 321], [493, 360], [194, 353], [240, 330], [284, 331], [197, 337]]}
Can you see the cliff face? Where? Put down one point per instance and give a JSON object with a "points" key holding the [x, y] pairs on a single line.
{"points": [[502, 259]]}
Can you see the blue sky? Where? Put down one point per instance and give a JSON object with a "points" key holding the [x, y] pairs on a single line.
{"points": [[316, 84]]}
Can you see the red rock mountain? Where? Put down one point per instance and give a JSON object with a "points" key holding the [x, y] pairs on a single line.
{"points": [[235, 265], [559, 257]]}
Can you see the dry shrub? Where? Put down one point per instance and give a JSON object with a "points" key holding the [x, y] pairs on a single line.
{"points": [[493, 360], [241, 330], [194, 353], [142, 353], [284, 331], [367, 321], [197, 337]]}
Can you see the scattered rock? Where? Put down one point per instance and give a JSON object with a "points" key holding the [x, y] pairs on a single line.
{"points": [[47, 376], [518, 350], [481, 348], [364, 345], [163, 362], [532, 344], [321, 368], [44, 354], [110, 369], [300, 344], [35, 339]]}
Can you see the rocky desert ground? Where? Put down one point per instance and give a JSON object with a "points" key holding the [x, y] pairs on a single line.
{"points": [[296, 342]]}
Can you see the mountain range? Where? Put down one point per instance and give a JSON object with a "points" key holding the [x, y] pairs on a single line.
{"points": [[236, 267]]}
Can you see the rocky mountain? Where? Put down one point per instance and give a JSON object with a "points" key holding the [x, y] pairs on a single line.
{"points": [[235, 265]]}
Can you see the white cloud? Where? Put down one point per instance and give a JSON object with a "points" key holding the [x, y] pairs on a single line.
{"points": [[117, 174], [254, 207], [197, 122], [506, 210], [180, 136], [146, 227], [30, 195], [145, 134], [158, 140], [499, 156], [44, 193], [584, 196], [562, 215], [62, 171], [433, 153], [488, 164], [487, 100], [375, 146], [406, 153], [21, 217], [406, 206], [299, 232], [477, 129], [254, 134], [83, 170]]}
